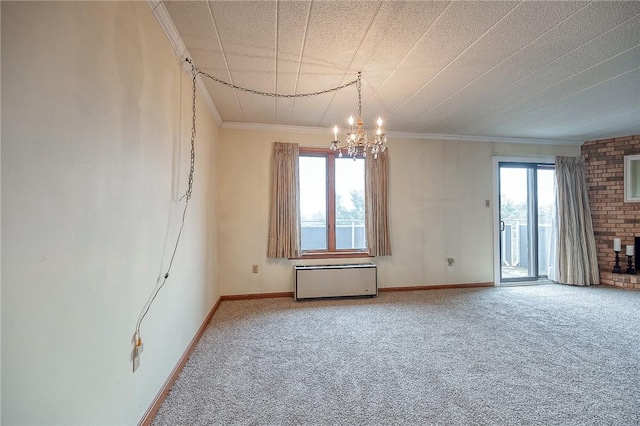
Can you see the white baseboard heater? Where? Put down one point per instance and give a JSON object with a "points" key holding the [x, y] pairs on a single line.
{"points": [[322, 281]]}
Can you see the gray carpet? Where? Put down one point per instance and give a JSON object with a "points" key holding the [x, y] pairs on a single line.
{"points": [[544, 355]]}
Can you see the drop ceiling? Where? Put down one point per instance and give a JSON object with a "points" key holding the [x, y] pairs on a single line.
{"points": [[565, 71]]}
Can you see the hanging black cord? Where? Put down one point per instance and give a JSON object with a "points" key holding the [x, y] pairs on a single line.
{"points": [[187, 195], [194, 73]]}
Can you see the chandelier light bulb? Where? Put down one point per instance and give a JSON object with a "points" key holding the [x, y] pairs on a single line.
{"points": [[357, 143]]}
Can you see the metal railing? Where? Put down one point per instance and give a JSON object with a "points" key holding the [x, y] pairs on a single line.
{"points": [[350, 234]]}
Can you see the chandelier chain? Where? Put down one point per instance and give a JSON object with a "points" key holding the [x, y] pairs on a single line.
{"points": [[357, 143], [274, 95], [359, 87], [187, 196], [194, 74]]}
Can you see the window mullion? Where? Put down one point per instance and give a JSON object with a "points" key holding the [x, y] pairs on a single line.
{"points": [[331, 202]]}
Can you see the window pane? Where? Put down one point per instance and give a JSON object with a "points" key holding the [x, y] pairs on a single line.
{"points": [[313, 203], [546, 203], [350, 232]]}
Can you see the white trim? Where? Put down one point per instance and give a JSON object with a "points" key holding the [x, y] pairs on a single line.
{"points": [[497, 159], [169, 29], [430, 136], [394, 134], [278, 128], [629, 177], [540, 159], [163, 18]]}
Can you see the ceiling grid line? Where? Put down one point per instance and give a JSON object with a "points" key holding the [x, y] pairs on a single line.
{"points": [[456, 58], [224, 57], [542, 68], [498, 64], [409, 52], [572, 95], [611, 119], [506, 107], [275, 66], [324, 114], [304, 44], [614, 120], [517, 71]]}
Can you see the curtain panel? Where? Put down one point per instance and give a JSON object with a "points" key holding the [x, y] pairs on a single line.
{"points": [[284, 224], [377, 204], [577, 262]]}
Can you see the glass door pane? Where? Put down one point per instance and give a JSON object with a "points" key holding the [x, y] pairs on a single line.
{"points": [[546, 202], [516, 260]]}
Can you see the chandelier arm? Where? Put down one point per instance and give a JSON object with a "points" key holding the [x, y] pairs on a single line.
{"points": [[357, 143], [275, 95]]}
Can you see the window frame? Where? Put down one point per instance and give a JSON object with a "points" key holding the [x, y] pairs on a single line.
{"points": [[331, 251]]}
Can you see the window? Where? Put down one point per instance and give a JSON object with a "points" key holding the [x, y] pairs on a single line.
{"points": [[631, 178], [332, 217]]}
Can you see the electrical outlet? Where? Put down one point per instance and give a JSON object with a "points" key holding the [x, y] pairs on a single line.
{"points": [[450, 261], [487, 203], [136, 357], [254, 269]]}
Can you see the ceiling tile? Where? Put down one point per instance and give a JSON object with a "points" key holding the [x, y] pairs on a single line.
{"points": [[548, 50], [515, 31], [292, 28], [553, 70], [442, 43], [552, 100]]}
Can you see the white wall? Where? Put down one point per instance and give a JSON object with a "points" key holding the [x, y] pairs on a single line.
{"points": [[95, 144], [437, 196]]}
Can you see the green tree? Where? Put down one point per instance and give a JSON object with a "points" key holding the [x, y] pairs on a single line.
{"points": [[356, 212], [511, 211]]}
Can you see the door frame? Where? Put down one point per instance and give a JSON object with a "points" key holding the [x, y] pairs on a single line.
{"points": [[497, 159]]}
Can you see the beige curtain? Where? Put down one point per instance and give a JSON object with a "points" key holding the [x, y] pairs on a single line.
{"points": [[284, 226], [377, 204], [577, 262]]}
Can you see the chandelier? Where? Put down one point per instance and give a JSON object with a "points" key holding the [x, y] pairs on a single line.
{"points": [[357, 142]]}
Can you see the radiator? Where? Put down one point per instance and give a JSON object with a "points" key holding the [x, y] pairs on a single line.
{"points": [[311, 282]]}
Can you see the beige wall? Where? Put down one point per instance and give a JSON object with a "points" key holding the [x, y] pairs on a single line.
{"points": [[96, 114], [437, 194], [95, 152]]}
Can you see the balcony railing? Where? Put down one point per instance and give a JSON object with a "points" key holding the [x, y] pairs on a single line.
{"points": [[515, 247], [350, 234]]}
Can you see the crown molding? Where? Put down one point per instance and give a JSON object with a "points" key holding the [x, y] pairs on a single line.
{"points": [[492, 139], [236, 125], [163, 18], [169, 29], [398, 135]]}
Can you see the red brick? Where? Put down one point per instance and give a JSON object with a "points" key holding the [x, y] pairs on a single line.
{"points": [[611, 216]]}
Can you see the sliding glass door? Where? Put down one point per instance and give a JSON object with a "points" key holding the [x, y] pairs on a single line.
{"points": [[526, 204]]}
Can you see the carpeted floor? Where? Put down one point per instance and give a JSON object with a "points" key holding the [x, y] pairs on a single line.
{"points": [[534, 355]]}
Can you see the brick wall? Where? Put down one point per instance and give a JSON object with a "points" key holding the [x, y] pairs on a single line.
{"points": [[612, 217]]}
